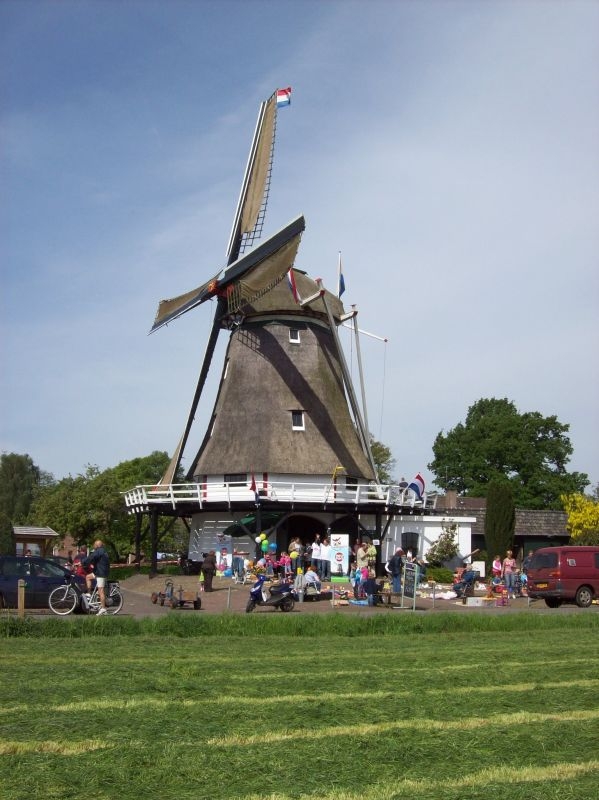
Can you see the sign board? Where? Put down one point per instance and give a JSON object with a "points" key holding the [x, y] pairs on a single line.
{"points": [[409, 582], [339, 554]]}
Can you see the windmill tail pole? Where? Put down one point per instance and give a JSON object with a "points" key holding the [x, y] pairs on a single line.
{"points": [[366, 333], [363, 433]]}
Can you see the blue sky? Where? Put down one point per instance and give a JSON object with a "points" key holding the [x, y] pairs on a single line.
{"points": [[448, 149]]}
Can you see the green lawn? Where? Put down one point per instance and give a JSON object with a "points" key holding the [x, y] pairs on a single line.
{"points": [[503, 714]]}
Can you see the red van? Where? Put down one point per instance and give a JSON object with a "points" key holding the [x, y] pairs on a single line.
{"points": [[562, 574]]}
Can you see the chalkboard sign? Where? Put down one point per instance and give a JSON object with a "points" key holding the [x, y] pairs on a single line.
{"points": [[410, 580]]}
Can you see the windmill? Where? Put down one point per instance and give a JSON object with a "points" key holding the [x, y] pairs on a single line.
{"points": [[286, 414]]}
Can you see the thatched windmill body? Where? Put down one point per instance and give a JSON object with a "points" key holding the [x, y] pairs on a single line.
{"points": [[286, 447]]}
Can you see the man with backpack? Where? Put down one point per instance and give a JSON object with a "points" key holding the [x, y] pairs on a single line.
{"points": [[394, 567]]}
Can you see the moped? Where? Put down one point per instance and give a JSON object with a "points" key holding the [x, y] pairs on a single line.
{"points": [[280, 596]]}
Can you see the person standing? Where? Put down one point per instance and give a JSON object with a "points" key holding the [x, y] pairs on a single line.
{"points": [[508, 573], [362, 556], [371, 553], [316, 545], [209, 570], [325, 560], [100, 564], [394, 567], [526, 562]]}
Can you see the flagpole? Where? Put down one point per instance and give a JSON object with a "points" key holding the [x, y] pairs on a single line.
{"points": [[339, 275]]}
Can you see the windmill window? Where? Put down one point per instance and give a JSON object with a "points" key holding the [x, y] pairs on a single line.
{"points": [[294, 335], [351, 483], [297, 421]]}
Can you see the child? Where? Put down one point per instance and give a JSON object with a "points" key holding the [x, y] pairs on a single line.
{"points": [[285, 563], [497, 567], [371, 588]]}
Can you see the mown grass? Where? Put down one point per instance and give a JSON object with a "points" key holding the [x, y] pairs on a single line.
{"points": [[171, 712], [300, 625]]}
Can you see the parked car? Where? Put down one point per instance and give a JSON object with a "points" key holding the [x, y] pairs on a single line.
{"points": [[564, 574], [40, 574], [61, 561]]}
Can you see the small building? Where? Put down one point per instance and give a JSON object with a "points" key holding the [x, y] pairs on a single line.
{"points": [[39, 541], [534, 527]]}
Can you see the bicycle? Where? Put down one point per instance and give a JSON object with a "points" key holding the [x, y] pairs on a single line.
{"points": [[70, 598]]}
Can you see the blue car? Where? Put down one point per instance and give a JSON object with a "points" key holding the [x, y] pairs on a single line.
{"points": [[41, 576]]}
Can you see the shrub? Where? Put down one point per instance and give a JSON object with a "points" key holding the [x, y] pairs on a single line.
{"points": [[439, 574]]}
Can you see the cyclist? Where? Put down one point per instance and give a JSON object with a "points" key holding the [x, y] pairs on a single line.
{"points": [[100, 563]]}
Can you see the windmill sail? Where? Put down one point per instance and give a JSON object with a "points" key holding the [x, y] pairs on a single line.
{"points": [[168, 310], [247, 226], [251, 206]]}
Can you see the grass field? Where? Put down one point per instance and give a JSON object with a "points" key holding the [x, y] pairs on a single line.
{"points": [[443, 714]]}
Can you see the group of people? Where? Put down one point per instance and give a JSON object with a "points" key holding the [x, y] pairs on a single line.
{"points": [[298, 557], [93, 566], [506, 573]]}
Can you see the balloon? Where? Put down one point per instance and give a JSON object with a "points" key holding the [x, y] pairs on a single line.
{"points": [[258, 539], [264, 546], [273, 545], [262, 536], [293, 555]]}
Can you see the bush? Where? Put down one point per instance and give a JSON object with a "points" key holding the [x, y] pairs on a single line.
{"points": [[439, 574]]}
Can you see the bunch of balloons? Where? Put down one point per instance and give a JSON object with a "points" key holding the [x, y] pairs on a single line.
{"points": [[263, 542]]}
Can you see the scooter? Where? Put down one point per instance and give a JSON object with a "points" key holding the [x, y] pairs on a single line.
{"points": [[278, 597]]}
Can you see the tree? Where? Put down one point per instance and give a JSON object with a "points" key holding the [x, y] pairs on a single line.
{"points": [[383, 460], [445, 548], [90, 506], [498, 443], [20, 479], [7, 542], [583, 518], [500, 518]]}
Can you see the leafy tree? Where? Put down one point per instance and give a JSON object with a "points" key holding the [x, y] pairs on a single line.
{"points": [[90, 506], [496, 442], [445, 548], [500, 518], [20, 479], [7, 542], [583, 518], [384, 461]]}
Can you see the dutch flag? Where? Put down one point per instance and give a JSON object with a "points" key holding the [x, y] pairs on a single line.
{"points": [[340, 278], [292, 286], [417, 486], [284, 97]]}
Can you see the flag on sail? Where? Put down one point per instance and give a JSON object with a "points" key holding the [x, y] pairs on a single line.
{"points": [[284, 97], [254, 490], [417, 486], [292, 286], [341, 279]]}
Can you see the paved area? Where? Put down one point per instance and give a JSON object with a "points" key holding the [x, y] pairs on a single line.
{"points": [[228, 596]]}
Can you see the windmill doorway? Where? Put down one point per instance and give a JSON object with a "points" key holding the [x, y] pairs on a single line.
{"points": [[299, 526]]}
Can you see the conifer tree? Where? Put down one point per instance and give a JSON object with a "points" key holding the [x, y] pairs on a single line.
{"points": [[500, 519]]}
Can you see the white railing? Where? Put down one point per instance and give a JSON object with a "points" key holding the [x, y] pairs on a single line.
{"points": [[205, 494]]}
